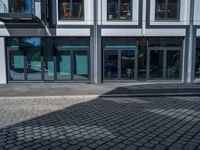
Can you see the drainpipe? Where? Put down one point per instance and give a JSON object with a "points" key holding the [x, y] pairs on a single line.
{"points": [[191, 48]]}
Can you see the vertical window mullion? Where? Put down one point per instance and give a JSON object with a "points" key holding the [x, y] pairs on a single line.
{"points": [[71, 7], [166, 9], [119, 9]]}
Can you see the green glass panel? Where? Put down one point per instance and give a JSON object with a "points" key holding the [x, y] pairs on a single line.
{"points": [[64, 65], [34, 66], [16, 60], [81, 65]]}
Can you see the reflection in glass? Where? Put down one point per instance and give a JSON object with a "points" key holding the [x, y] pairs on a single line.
{"points": [[80, 65], [111, 64], [63, 65], [48, 60], [142, 48], [167, 9], [20, 6], [71, 9], [34, 66], [197, 64], [156, 64], [127, 64], [173, 64], [119, 10], [16, 59]]}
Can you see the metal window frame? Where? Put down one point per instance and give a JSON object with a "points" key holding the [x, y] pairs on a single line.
{"points": [[71, 7], [118, 14], [166, 11]]}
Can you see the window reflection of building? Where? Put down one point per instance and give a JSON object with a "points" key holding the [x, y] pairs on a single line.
{"points": [[20, 6], [71, 9]]}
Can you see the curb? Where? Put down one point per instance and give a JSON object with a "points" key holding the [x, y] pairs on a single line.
{"points": [[99, 96]]}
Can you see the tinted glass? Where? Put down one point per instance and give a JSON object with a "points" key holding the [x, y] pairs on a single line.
{"points": [[80, 65], [71, 9], [34, 66], [63, 65], [127, 64], [16, 61], [119, 10], [20, 6], [167, 9], [173, 64], [111, 64], [156, 64]]}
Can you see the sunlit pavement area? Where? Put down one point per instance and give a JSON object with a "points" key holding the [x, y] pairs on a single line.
{"points": [[100, 124]]}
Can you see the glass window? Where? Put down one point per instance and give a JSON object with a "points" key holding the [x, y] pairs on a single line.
{"points": [[71, 9], [20, 6], [197, 63], [119, 10], [167, 9]]}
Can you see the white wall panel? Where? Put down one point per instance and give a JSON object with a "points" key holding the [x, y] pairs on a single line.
{"points": [[73, 32], [121, 32], [165, 32], [3, 78]]}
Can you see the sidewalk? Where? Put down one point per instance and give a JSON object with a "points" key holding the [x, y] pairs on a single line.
{"points": [[106, 89]]}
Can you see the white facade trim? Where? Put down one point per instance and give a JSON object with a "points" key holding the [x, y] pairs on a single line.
{"points": [[3, 78]]}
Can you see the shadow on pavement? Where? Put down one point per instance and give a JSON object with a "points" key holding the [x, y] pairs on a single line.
{"points": [[111, 123]]}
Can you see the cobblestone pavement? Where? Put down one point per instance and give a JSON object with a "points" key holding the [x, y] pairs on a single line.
{"points": [[104, 123]]}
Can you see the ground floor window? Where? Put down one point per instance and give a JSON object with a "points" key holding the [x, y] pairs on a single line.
{"points": [[48, 59], [142, 59], [197, 62]]}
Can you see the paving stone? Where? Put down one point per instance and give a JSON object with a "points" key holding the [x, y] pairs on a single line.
{"points": [[131, 147]]}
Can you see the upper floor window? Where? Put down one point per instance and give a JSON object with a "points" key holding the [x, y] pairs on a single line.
{"points": [[71, 9], [167, 9], [16, 6], [119, 9]]}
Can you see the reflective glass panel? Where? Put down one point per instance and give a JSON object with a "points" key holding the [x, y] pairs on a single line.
{"points": [[20, 6], [119, 10], [63, 65], [34, 65], [173, 64], [49, 60], [156, 64], [111, 64], [80, 65], [127, 64], [16, 61], [71, 9]]}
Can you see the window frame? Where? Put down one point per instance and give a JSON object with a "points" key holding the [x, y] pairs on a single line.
{"points": [[119, 8], [166, 18], [71, 7]]}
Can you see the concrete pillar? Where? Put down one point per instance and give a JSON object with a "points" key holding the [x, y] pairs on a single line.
{"points": [[3, 78], [191, 48]]}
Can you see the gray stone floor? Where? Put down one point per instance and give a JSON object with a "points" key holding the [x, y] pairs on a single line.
{"points": [[104, 123]]}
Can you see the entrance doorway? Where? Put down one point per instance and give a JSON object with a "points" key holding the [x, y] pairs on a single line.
{"points": [[120, 64], [164, 63]]}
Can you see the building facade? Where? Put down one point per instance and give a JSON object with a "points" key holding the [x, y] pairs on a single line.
{"points": [[99, 41]]}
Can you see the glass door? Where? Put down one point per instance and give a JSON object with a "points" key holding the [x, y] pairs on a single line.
{"points": [[63, 65], [34, 64], [80, 65], [156, 64], [16, 65], [111, 64], [164, 63], [120, 64], [128, 64]]}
